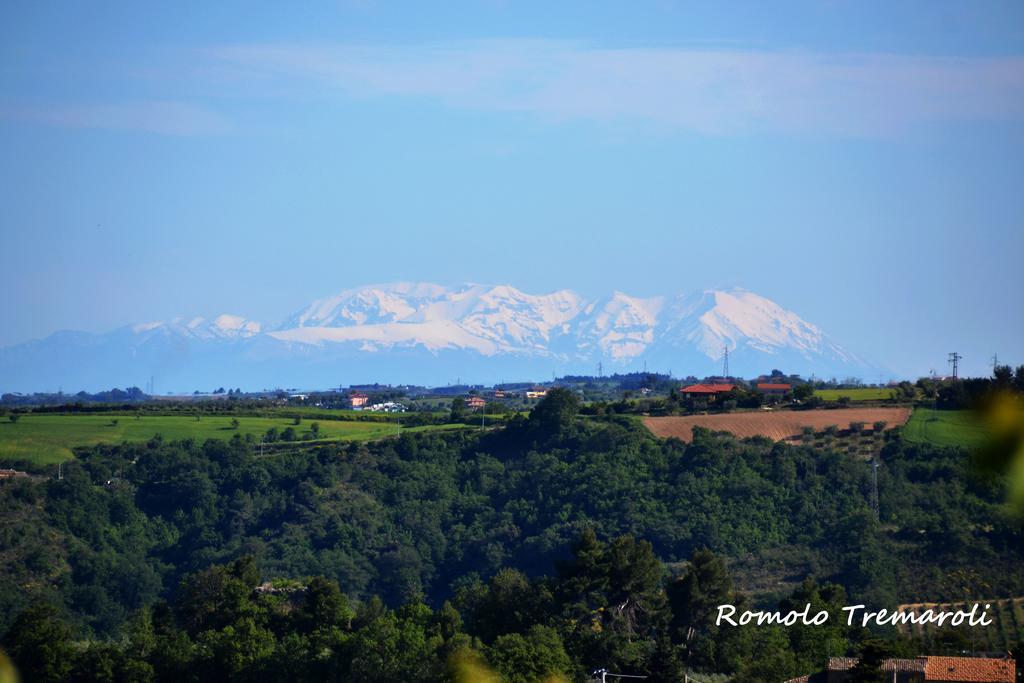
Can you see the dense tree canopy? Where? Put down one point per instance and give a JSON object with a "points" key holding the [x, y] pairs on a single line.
{"points": [[554, 544]]}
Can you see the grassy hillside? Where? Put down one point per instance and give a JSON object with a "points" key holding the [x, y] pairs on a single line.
{"points": [[866, 394], [50, 438], [945, 428]]}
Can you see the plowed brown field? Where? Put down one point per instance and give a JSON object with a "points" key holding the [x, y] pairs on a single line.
{"points": [[776, 425]]}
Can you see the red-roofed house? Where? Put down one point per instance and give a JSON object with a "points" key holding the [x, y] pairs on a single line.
{"points": [[773, 389], [706, 391], [475, 403]]}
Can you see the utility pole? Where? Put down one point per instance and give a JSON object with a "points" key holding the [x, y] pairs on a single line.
{"points": [[954, 359], [60, 471]]}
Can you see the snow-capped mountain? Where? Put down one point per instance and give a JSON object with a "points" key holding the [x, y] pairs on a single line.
{"points": [[488, 320], [222, 327], [619, 328], [426, 333]]}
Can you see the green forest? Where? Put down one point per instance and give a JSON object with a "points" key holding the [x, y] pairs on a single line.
{"points": [[548, 548]]}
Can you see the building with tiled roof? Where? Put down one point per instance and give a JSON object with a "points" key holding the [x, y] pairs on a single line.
{"points": [[774, 388], [924, 670], [896, 670], [970, 669], [706, 391]]}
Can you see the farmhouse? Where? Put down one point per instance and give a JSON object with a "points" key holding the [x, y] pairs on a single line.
{"points": [[357, 400], [537, 392], [923, 670], [708, 392], [475, 403], [774, 389], [11, 474]]}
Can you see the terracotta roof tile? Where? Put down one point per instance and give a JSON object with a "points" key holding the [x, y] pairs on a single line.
{"points": [[970, 669], [707, 388]]}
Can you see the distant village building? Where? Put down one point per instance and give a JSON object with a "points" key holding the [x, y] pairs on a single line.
{"points": [[708, 392], [774, 389], [475, 403], [923, 670], [387, 407], [537, 392], [11, 474], [357, 400]]}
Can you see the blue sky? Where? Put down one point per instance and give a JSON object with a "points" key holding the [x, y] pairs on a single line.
{"points": [[857, 162]]}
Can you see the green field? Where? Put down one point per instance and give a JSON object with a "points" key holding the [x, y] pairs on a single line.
{"points": [[865, 394], [50, 438], [945, 428]]}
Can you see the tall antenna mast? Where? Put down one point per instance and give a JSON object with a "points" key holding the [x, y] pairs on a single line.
{"points": [[600, 369], [995, 362], [725, 362], [955, 359]]}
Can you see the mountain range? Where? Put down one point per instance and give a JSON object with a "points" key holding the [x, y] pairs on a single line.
{"points": [[429, 334]]}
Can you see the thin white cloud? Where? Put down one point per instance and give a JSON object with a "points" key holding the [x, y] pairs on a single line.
{"points": [[716, 91], [165, 118]]}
